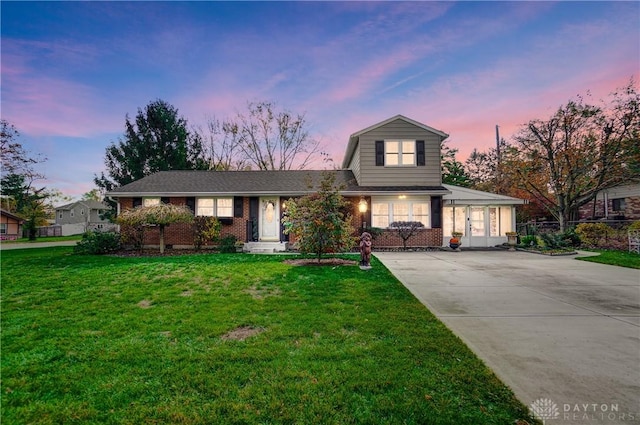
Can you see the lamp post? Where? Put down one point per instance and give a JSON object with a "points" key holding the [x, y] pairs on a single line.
{"points": [[362, 206]]}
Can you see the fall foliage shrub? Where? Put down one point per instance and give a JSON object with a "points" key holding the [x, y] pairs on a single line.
{"points": [[591, 233], [205, 229]]}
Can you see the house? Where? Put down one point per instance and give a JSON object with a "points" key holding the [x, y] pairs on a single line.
{"points": [[391, 172], [617, 203], [10, 226], [80, 216]]}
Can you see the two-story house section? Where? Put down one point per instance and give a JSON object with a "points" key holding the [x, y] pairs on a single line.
{"points": [[391, 173]]}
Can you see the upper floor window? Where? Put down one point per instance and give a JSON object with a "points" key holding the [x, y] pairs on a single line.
{"points": [[215, 207], [72, 213], [400, 153], [60, 214]]}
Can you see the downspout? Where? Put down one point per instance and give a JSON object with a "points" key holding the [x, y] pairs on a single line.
{"points": [[606, 205]]}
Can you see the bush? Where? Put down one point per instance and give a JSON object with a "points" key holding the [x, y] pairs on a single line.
{"points": [[529, 240], [228, 244], [592, 233], [205, 229], [132, 236], [97, 242]]}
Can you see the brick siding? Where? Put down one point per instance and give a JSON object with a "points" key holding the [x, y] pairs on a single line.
{"points": [[631, 210], [181, 234]]}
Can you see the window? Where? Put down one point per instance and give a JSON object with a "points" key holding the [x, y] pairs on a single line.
{"points": [[72, 213], [214, 207], [383, 213], [148, 202], [3, 228], [224, 207], [400, 153], [499, 221], [82, 211], [618, 204], [60, 215], [453, 219]]}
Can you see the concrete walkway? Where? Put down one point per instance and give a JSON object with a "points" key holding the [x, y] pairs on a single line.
{"points": [[551, 328], [23, 245]]}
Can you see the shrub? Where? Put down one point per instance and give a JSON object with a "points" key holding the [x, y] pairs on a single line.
{"points": [[553, 240], [97, 242], [228, 244], [133, 236], [591, 233], [406, 229], [205, 229], [635, 225], [529, 240]]}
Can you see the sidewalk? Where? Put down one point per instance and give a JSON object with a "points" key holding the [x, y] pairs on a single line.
{"points": [[23, 245], [552, 328]]}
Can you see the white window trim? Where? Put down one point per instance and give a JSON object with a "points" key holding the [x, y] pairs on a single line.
{"points": [[409, 201], [400, 153], [150, 201], [215, 206]]}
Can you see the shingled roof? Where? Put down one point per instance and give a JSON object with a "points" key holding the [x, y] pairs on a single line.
{"points": [[251, 183]]}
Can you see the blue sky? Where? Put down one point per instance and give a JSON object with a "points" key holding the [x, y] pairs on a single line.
{"points": [[71, 71]]}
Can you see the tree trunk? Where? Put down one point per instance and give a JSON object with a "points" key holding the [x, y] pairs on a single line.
{"points": [[162, 239]]}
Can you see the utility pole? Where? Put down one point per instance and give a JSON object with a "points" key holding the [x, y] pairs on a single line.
{"points": [[498, 143]]}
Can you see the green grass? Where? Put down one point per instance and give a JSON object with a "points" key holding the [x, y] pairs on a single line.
{"points": [[615, 258], [88, 339], [47, 239]]}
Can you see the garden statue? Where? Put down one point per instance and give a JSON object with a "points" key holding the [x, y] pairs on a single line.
{"points": [[365, 251]]}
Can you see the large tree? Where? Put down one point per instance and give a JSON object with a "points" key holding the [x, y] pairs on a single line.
{"points": [[565, 160], [453, 171], [18, 178], [272, 139], [158, 140]]}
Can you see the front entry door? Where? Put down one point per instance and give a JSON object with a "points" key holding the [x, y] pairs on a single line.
{"points": [[477, 229], [270, 219]]}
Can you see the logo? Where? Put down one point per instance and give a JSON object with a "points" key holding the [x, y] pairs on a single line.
{"points": [[544, 409]]}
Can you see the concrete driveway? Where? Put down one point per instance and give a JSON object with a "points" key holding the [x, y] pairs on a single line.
{"points": [[556, 330]]}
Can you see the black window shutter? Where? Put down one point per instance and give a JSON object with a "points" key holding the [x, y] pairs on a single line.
{"points": [[420, 152], [436, 212], [238, 206], [137, 202], [379, 152], [191, 203], [165, 200]]}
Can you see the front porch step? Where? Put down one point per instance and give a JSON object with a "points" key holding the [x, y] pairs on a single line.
{"points": [[264, 247]]}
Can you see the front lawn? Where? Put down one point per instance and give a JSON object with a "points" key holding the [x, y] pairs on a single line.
{"points": [[615, 258], [229, 339], [46, 239]]}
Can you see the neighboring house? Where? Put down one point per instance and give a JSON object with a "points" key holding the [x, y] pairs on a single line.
{"points": [[81, 216], [616, 203], [392, 169], [10, 226]]}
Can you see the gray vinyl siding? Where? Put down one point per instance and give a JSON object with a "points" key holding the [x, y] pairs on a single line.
{"points": [[371, 175], [354, 165]]}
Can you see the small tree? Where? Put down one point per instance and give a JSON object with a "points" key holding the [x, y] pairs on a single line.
{"points": [[160, 215], [320, 221], [406, 229]]}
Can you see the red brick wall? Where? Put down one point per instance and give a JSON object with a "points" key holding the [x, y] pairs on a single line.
{"points": [[182, 234], [631, 210]]}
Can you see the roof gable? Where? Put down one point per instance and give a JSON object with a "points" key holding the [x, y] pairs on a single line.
{"points": [[355, 137], [464, 195]]}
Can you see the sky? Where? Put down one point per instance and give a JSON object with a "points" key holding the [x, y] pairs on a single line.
{"points": [[72, 71]]}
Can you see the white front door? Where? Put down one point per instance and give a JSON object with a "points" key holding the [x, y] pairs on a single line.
{"points": [[270, 219], [477, 229]]}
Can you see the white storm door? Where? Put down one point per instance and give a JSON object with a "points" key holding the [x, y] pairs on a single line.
{"points": [[270, 219], [477, 226]]}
